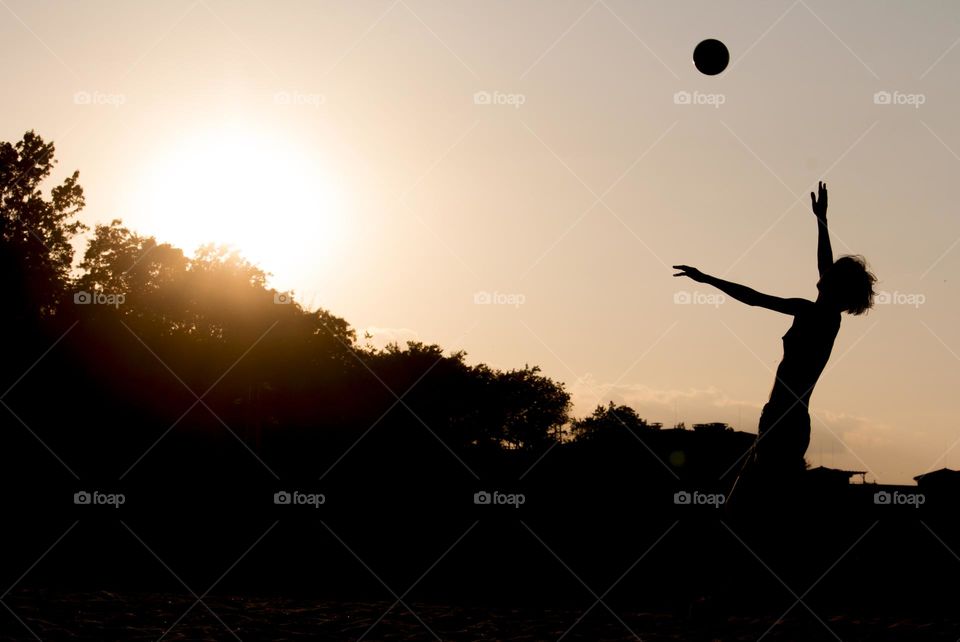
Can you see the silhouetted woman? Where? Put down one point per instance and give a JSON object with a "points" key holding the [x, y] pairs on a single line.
{"points": [[844, 286]]}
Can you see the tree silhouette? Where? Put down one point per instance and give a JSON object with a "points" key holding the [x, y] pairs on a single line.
{"points": [[36, 254], [609, 422]]}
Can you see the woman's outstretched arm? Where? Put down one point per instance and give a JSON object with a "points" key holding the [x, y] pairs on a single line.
{"points": [[824, 251], [743, 293]]}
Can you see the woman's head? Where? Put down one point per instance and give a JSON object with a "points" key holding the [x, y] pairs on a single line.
{"points": [[849, 284]]}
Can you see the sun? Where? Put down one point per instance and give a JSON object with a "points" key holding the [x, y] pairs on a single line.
{"points": [[275, 202]]}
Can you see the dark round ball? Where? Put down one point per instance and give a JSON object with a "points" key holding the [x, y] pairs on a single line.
{"points": [[711, 57]]}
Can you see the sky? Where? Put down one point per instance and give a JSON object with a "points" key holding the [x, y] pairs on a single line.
{"points": [[515, 179]]}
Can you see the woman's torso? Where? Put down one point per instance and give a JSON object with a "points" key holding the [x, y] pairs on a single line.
{"points": [[806, 349]]}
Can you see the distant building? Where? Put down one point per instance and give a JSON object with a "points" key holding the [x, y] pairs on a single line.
{"points": [[713, 427], [823, 476], [944, 479]]}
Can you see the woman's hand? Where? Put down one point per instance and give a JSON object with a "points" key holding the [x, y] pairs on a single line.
{"points": [[820, 202], [692, 272]]}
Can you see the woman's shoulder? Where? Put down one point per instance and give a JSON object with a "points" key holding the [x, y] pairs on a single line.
{"points": [[813, 314], [821, 310]]}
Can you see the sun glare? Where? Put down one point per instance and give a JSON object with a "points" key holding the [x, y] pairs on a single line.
{"points": [[270, 199]]}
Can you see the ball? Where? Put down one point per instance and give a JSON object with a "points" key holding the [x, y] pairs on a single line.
{"points": [[711, 57]]}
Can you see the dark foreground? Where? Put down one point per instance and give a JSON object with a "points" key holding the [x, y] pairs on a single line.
{"points": [[98, 616]]}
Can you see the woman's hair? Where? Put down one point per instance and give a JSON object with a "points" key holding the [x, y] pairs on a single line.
{"points": [[852, 283]]}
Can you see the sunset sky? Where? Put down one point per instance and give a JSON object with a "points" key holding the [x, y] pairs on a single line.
{"points": [[350, 149]]}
